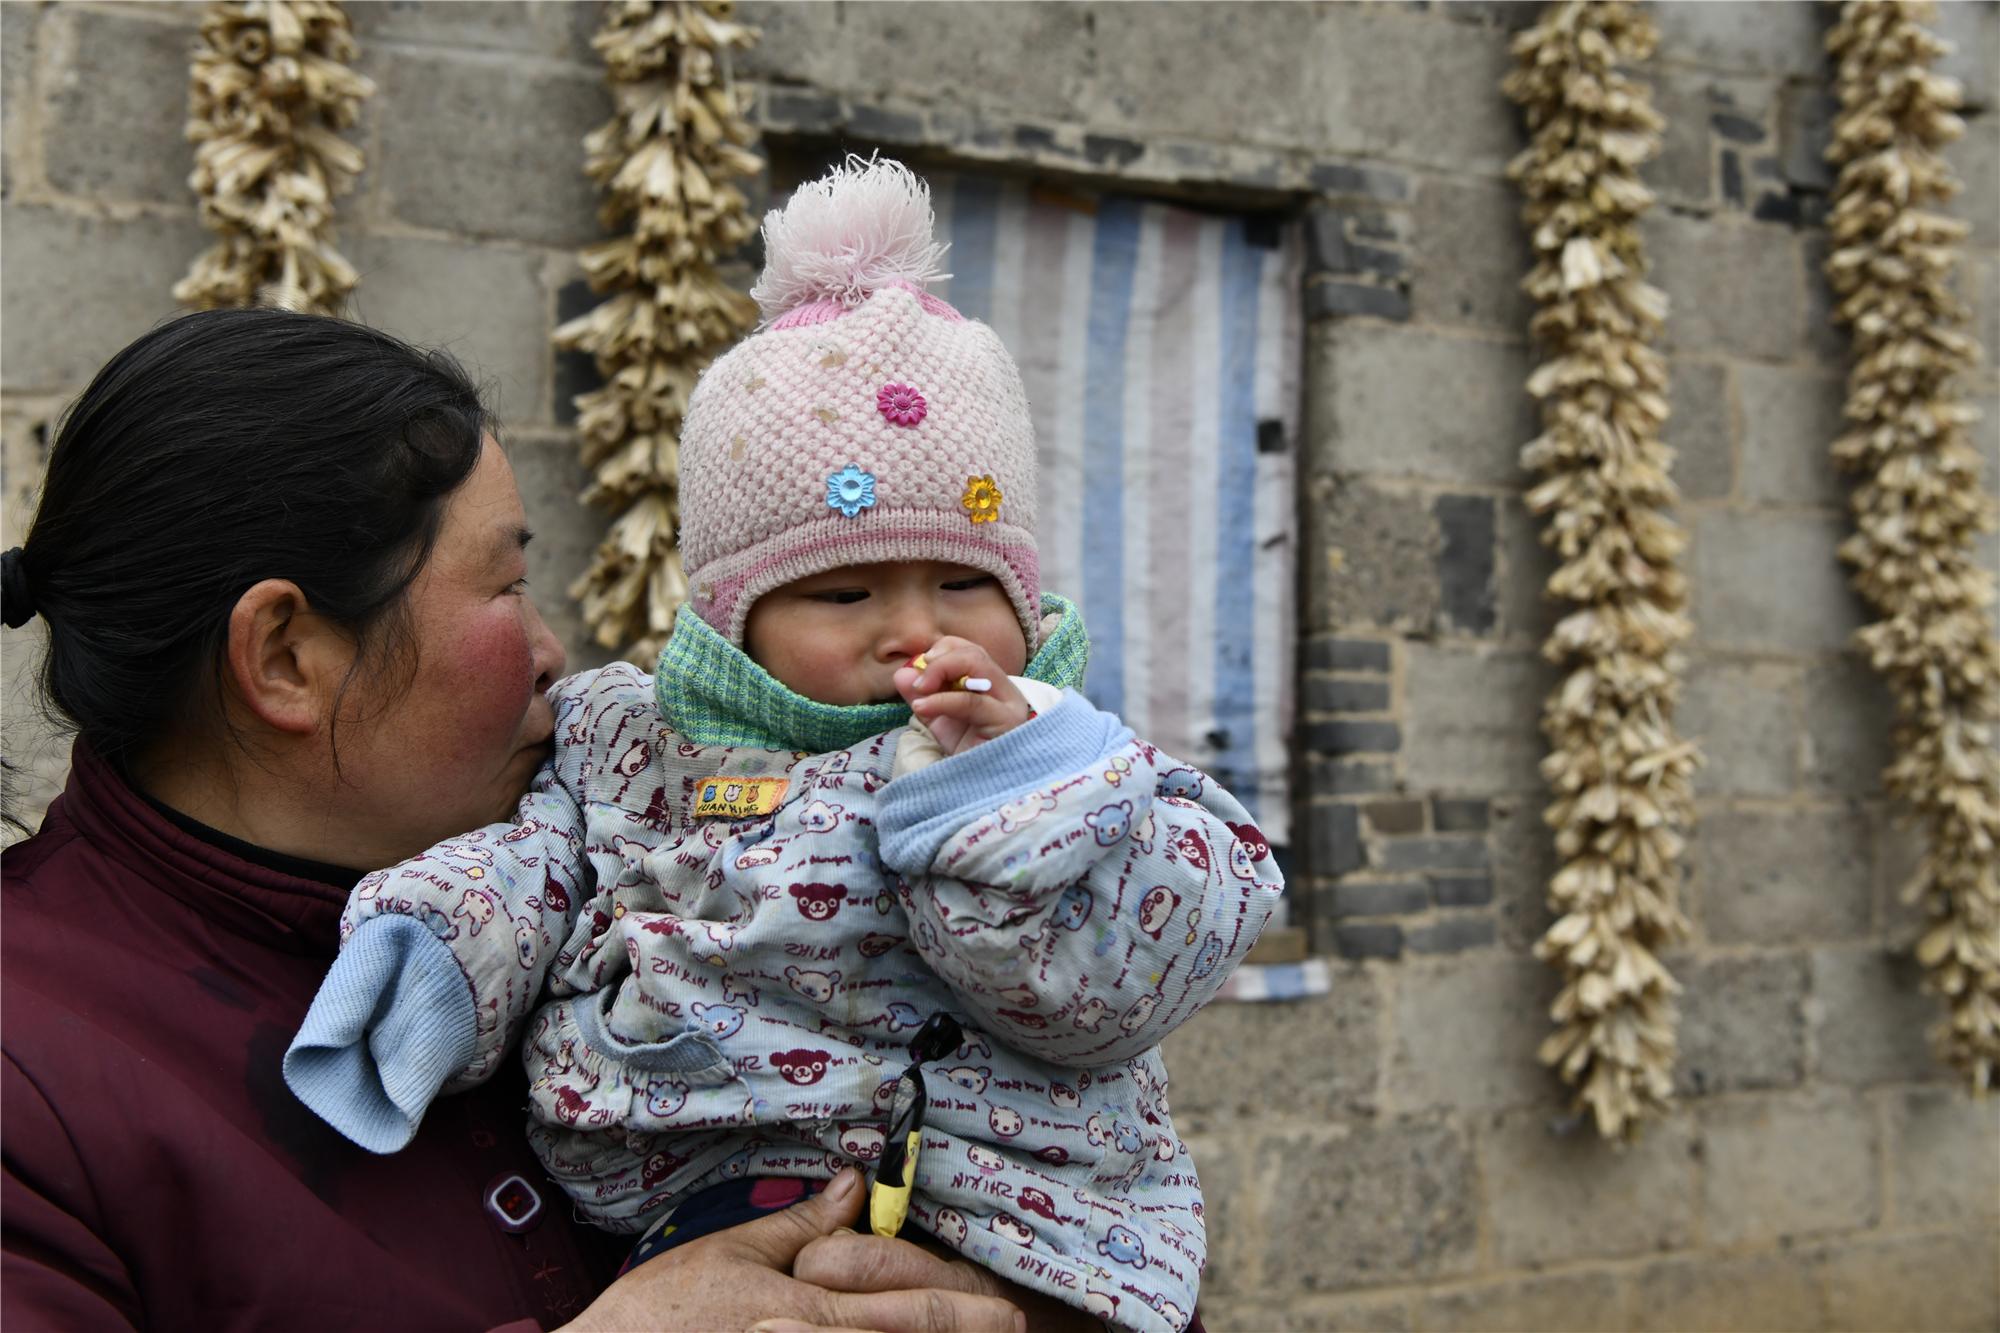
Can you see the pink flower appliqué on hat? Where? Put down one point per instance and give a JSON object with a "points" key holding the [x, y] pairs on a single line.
{"points": [[901, 403]]}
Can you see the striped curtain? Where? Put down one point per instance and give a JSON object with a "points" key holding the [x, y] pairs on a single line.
{"points": [[1160, 348]]}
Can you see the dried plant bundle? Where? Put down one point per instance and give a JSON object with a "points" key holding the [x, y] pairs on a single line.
{"points": [[1621, 776], [270, 90], [1918, 501], [664, 163]]}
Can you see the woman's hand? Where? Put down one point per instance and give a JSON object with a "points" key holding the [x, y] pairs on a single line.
{"points": [[741, 1277], [858, 1263], [961, 718]]}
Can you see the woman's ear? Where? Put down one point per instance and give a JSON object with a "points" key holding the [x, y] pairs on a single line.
{"points": [[285, 662]]}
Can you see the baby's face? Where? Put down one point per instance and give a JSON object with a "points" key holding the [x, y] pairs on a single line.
{"points": [[838, 637]]}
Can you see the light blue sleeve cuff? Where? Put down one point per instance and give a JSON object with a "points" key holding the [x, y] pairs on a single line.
{"points": [[921, 810], [392, 1021]]}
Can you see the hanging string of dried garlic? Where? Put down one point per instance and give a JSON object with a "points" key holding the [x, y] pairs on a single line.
{"points": [[1919, 503], [270, 89], [1621, 777], [663, 162]]}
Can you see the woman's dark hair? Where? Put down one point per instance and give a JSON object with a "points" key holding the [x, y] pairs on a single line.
{"points": [[219, 450]]}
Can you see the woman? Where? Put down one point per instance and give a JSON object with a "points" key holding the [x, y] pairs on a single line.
{"points": [[280, 559]]}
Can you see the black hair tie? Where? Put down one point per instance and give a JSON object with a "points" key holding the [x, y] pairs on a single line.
{"points": [[17, 600]]}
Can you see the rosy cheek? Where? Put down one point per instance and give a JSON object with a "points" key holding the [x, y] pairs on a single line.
{"points": [[495, 670]]}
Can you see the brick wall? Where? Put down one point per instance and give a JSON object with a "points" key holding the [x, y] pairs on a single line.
{"points": [[1389, 1156]]}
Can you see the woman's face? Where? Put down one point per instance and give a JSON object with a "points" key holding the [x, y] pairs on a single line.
{"points": [[449, 736]]}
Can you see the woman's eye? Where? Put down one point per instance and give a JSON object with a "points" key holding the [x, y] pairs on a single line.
{"points": [[518, 585], [967, 585]]}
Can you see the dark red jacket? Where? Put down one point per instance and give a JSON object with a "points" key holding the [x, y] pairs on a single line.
{"points": [[159, 1174]]}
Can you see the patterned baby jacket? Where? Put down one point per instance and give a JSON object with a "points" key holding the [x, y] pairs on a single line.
{"points": [[714, 957]]}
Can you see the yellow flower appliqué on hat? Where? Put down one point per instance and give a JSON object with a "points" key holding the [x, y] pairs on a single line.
{"points": [[981, 499]]}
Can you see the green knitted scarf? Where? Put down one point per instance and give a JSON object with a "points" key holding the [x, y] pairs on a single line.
{"points": [[712, 693]]}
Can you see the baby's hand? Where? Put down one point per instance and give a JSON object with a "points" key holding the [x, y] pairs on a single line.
{"points": [[961, 715]]}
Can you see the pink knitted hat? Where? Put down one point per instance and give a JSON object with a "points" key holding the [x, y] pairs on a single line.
{"points": [[865, 421]]}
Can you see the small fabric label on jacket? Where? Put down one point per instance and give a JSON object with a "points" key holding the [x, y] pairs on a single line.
{"points": [[738, 798]]}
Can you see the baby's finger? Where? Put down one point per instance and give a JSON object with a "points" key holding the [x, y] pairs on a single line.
{"points": [[975, 710]]}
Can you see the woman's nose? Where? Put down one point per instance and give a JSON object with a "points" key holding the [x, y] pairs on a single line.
{"points": [[549, 657]]}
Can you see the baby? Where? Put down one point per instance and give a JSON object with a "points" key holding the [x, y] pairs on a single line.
{"points": [[859, 800]]}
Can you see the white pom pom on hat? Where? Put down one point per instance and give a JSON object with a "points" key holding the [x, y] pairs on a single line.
{"points": [[862, 227], [858, 380]]}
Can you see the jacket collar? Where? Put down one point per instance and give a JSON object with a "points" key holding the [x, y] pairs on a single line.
{"points": [[278, 909]]}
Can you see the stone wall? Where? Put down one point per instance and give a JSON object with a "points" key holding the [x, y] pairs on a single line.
{"points": [[1388, 1156]]}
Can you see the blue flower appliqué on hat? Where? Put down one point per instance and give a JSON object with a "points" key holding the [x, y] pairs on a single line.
{"points": [[850, 490]]}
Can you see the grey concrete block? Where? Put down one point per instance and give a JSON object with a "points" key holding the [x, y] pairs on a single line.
{"points": [[805, 109], [1166, 56], [1352, 897], [1451, 934], [1464, 1033], [1391, 817], [20, 40], [1377, 559], [1387, 409], [880, 124], [1357, 1312], [113, 126], [1367, 941], [1973, 32], [1790, 420], [1826, 339], [1232, 1207], [484, 304], [551, 28], [1927, 1282], [1766, 38], [102, 283], [1872, 1019], [1351, 777], [1772, 583], [1352, 737], [1526, 610], [1747, 721], [1742, 1023], [1735, 289], [457, 141], [1783, 1166], [1690, 99], [1466, 561], [1399, 1195], [1701, 430], [1461, 852], [1944, 1158], [1370, 105], [1464, 727], [1332, 836], [1523, 857], [1558, 1198], [1472, 254], [1780, 877], [1337, 300], [803, 44], [1805, 128], [1849, 716], [1573, 1302], [1349, 178], [1718, 1292], [1976, 159], [1324, 654], [1315, 1057], [1324, 695], [1460, 816], [1451, 890]]}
